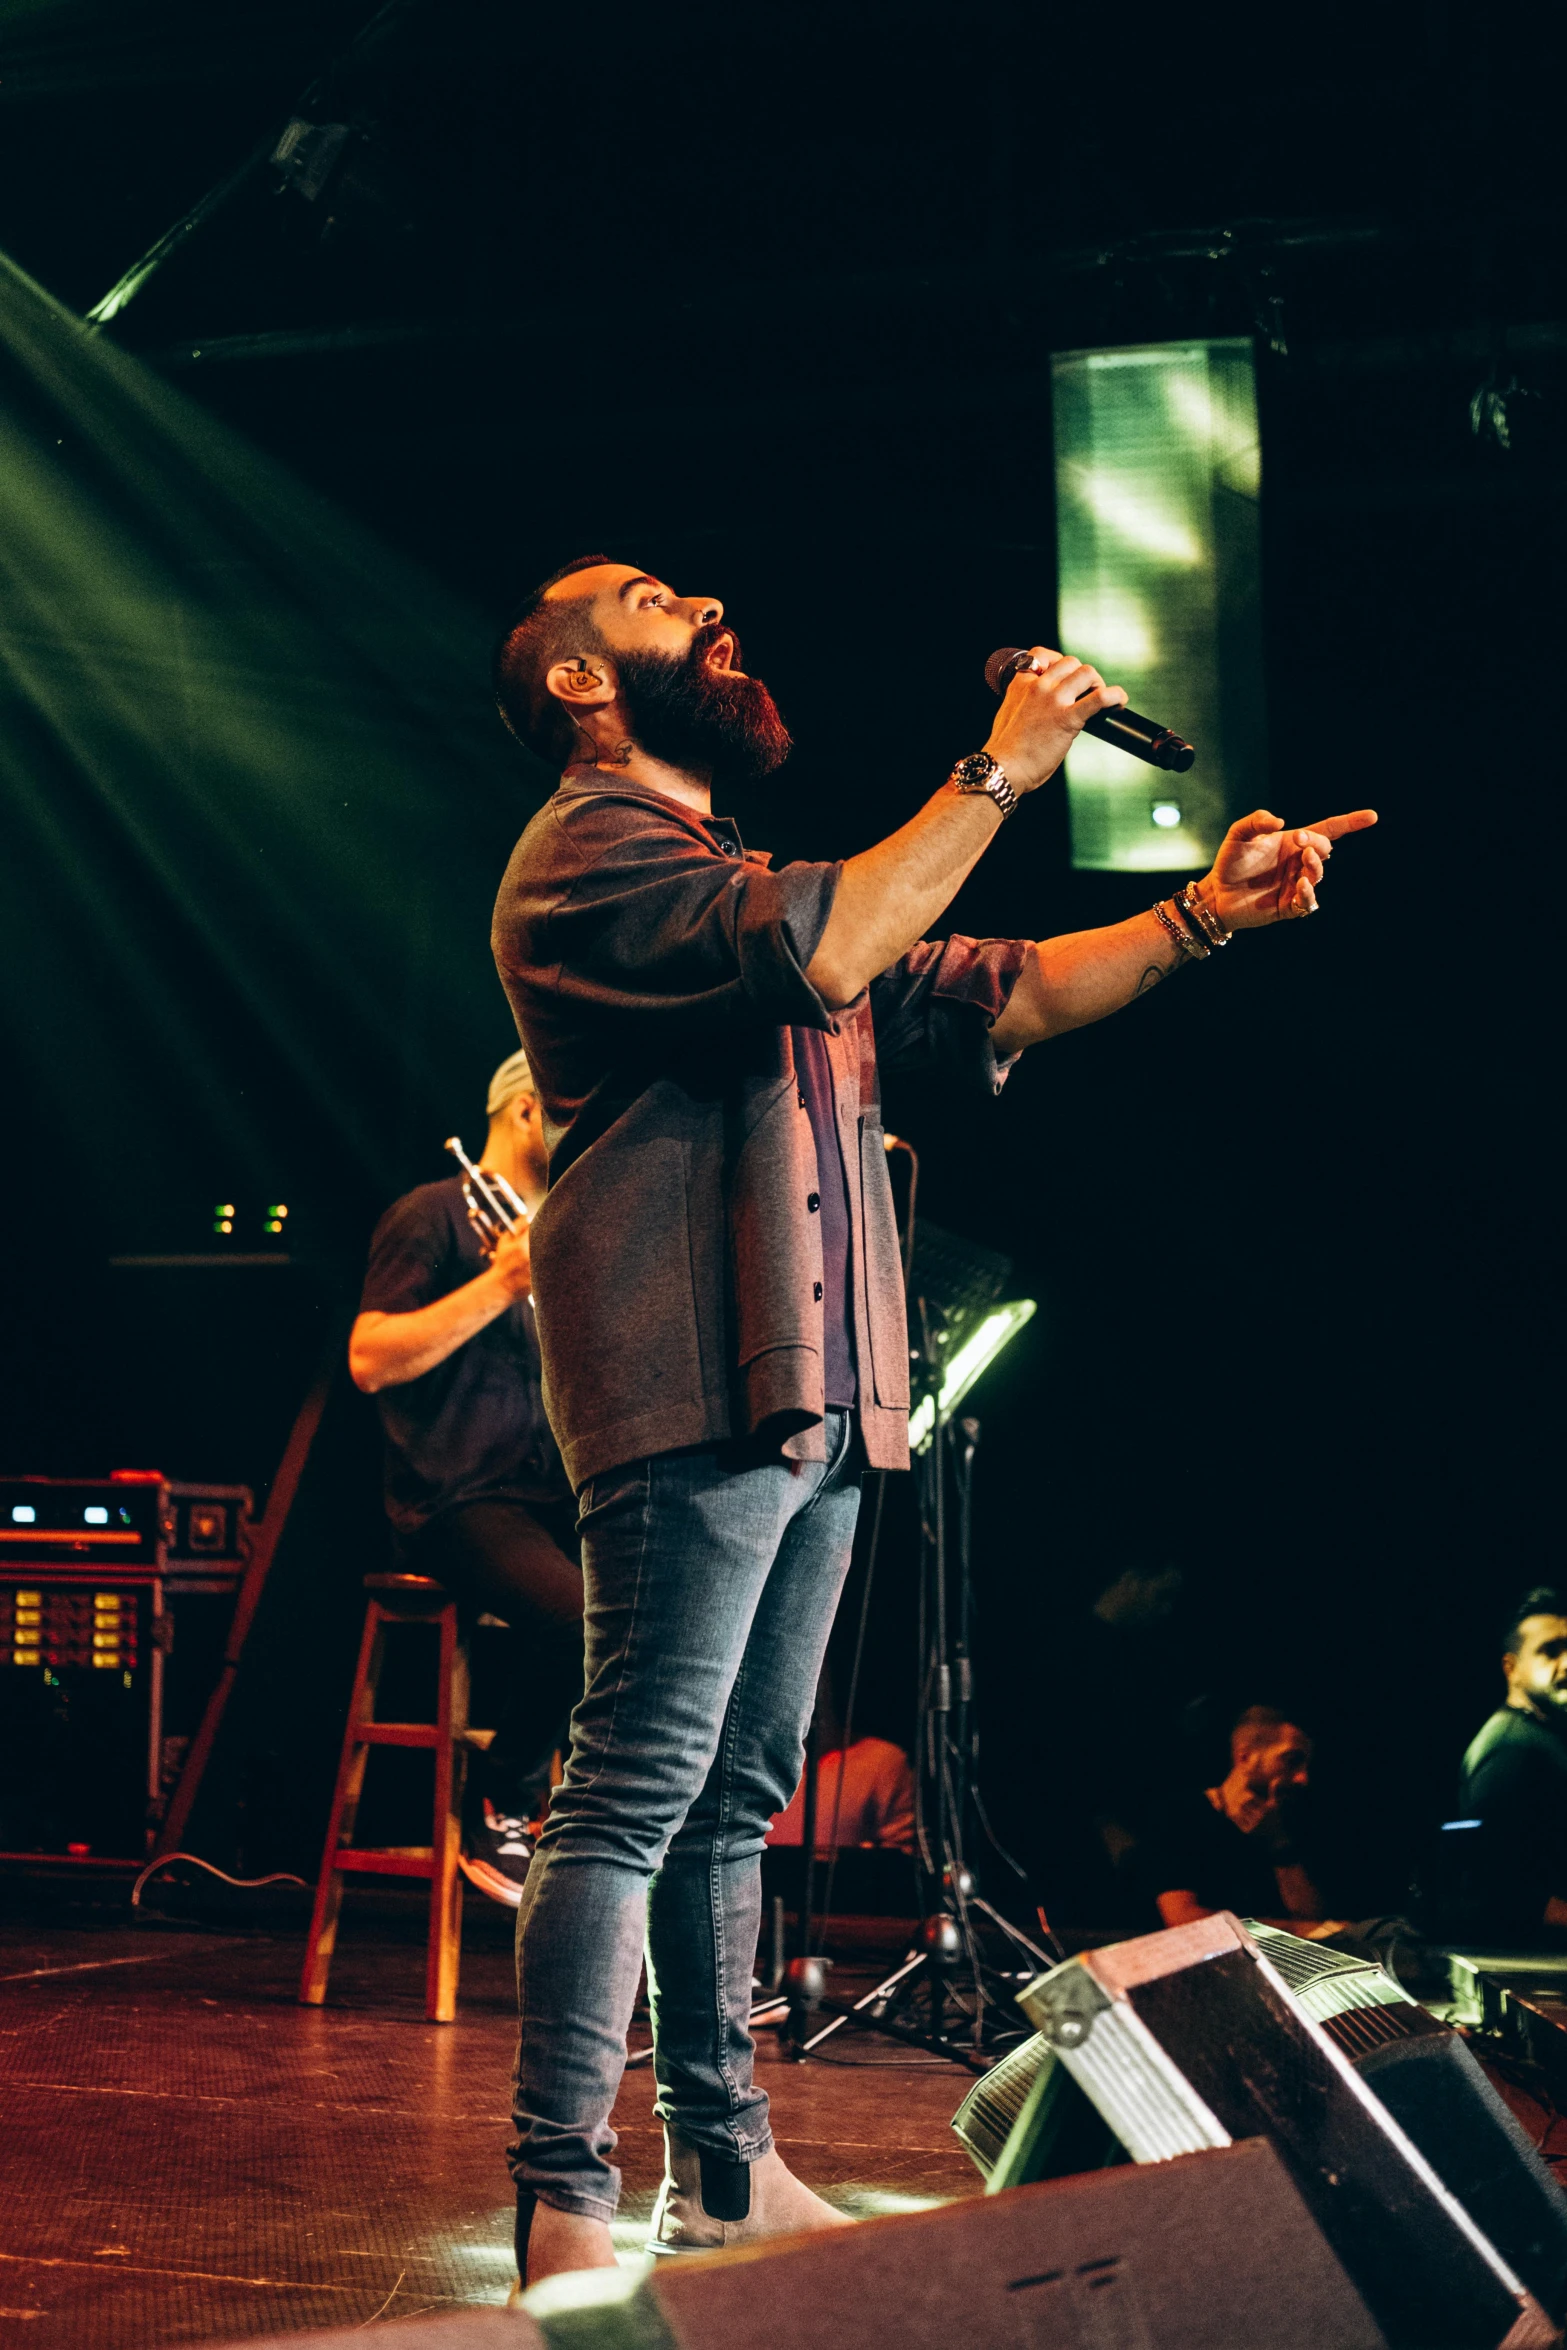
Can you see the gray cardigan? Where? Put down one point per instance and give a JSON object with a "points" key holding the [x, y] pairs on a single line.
{"points": [[656, 968]]}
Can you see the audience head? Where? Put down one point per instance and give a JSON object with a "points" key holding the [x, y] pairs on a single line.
{"points": [[1142, 1599], [1534, 1653]]}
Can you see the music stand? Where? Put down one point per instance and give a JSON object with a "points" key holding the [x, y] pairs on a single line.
{"points": [[960, 1323]]}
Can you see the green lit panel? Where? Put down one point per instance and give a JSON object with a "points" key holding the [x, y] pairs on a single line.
{"points": [[1158, 476]]}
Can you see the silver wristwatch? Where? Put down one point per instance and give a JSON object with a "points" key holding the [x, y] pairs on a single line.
{"points": [[979, 772]]}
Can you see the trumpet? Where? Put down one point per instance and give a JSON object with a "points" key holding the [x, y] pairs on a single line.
{"points": [[493, 1207]]}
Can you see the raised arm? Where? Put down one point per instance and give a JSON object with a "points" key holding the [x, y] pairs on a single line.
{"points": [[387, 1350], [1263, 873], [888, 897]]}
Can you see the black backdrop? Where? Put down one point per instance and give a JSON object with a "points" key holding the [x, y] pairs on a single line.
{"points": [[767, 306]]}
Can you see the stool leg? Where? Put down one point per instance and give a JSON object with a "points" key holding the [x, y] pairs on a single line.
{"points": [[322, 1940], [446, 1887]]}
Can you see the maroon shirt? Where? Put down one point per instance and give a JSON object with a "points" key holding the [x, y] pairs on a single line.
{"points": [[656, 970]]}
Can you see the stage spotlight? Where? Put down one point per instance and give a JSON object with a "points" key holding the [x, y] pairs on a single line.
{"points": [[308, 153], [976, 1353], [1158, 477]]}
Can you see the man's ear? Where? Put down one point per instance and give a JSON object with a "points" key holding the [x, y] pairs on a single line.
{"points": [[582, 684]]}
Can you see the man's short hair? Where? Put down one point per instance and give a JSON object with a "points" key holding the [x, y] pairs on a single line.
{"points": [[538, 633], [1543, 1600]]}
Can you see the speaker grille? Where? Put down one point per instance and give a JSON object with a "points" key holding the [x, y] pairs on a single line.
{"points": [[1325, 1983], [1358, 2029], [985, 2119]]}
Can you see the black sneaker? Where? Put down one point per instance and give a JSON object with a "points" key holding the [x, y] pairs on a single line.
{"points": [[497, 1856]]}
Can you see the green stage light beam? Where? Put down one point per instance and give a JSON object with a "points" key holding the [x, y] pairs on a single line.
{"points": [[249, 753]]}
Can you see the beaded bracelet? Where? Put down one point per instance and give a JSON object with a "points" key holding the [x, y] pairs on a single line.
{"points": [[1183, 938]]}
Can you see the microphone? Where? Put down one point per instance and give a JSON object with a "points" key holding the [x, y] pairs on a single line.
{"points": [[1145, 738]]}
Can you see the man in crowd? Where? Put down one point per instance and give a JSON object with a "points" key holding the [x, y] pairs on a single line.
{"points": [[446, 1343], [721, 1306], [1514, 1779], [1232, 1846]]}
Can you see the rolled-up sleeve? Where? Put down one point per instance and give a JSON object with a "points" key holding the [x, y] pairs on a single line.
{"points": [[633, 914], [936, 1007]]}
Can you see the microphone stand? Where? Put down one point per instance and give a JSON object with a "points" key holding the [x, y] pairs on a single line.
{"points": [[813, 1773], [926, 2001]]}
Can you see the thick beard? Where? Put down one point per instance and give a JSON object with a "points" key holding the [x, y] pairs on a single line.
{"points": [[690, 715]]}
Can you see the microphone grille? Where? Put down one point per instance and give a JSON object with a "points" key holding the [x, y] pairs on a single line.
{"points": [[998, 668]]}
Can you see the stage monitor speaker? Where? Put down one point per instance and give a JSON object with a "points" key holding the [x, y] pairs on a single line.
{"points": [[1438, 2094], [1212, 2252], [467, 2329], [1027, 2118], [1216, 2252], [1191, 2038]]}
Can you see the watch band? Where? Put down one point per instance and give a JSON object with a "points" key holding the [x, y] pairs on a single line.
{"points": [[979, 772]]}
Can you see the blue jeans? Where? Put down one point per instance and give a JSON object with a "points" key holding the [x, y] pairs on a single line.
{"points": [[710, 1591]]}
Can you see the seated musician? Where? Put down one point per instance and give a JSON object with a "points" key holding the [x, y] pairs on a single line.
{"points": [[445, 1342], [865, 1794], [1232, 1846], [1514, 1779]]}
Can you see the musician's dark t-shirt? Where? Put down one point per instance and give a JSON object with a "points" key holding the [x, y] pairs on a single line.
{"points": [[1188, 1847], [473, 1429], [1515, 1782]]}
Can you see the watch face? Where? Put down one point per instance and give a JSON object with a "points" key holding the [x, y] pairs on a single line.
{"points": [[975, 771]]}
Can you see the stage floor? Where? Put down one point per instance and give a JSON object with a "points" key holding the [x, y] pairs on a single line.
{"points": [[187, 2154]]}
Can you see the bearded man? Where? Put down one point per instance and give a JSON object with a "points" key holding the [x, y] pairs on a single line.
{"points": [[720, 1308], [1514, 1778], [1232, 1846]]}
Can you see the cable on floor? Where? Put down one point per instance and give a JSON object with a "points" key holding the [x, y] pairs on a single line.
{"points": [[248, 1884]]}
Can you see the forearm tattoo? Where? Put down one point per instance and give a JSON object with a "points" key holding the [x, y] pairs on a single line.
{"points": [[1155, 972]]}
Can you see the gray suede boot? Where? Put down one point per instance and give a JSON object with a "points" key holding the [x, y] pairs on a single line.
{"points": [[710, 2204]]}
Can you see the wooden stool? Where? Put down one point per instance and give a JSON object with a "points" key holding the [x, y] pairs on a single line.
{"points": [[400, 1599]]}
